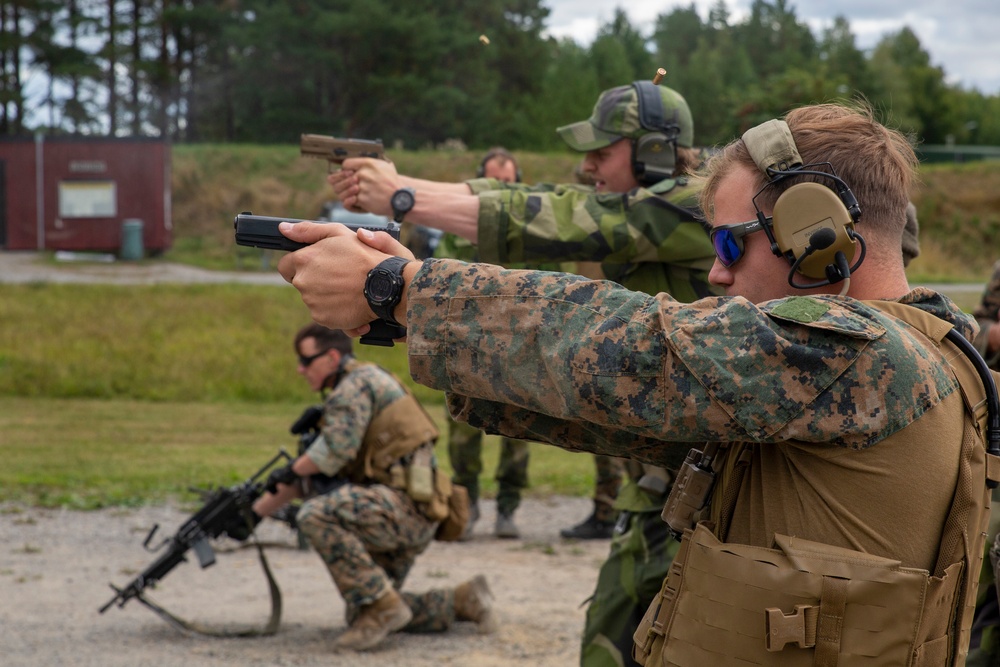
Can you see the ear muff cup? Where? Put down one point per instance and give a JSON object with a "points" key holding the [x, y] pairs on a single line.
{"points": [[800, 212], [654, 155]]}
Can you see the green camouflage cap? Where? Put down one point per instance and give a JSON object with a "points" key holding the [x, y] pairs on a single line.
{"points": [[616, 116]]}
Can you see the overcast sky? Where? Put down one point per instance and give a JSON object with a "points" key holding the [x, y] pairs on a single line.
{"points": [[961, 36]]}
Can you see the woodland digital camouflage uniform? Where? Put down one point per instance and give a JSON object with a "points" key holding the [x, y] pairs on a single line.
{"points": [[646, 377], [638, 372], [465, 443], [368, 535], [393, 544]]}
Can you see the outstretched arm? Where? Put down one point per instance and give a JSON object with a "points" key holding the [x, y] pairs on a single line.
{"points": [[367, 184]]}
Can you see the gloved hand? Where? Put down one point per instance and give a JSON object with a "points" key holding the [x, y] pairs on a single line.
{"points": [[289, 514], [282, 475], [241, 526]]}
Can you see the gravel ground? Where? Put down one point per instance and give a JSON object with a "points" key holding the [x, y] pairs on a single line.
{"points": [[55, 567]]}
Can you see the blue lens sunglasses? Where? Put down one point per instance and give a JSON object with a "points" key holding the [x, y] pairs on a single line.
{"points": [[728, 239]]}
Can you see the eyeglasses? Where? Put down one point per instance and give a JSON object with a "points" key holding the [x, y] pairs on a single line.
{"points": [[728, 239], [305, 362]]}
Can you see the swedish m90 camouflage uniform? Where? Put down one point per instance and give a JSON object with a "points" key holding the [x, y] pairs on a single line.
{"points": [[367, 534], [650, 240]]}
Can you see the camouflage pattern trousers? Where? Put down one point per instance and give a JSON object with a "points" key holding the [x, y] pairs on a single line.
{"points": [[369, 537], [465, 451], [642, 550], [610, 471]]}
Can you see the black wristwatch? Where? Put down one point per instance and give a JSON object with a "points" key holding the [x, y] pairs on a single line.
{"points": [[384, 288], [401, 202]]}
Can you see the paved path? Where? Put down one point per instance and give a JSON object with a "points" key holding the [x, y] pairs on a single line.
{"points": [[33, 267]]}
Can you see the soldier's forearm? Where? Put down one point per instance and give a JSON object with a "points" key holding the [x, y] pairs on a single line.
{"points": [[423, 186], [451, 212]]}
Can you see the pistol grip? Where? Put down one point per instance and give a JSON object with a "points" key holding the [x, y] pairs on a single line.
{"points": [[204, 551]]}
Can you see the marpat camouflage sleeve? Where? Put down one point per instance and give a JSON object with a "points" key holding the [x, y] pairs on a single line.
{"points": [[566, 360], [348, 410]]}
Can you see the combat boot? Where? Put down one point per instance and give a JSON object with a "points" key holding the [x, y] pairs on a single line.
{"points": [[474, 602], [591, 529], [505, 527], [473, 518], [375, 622]]}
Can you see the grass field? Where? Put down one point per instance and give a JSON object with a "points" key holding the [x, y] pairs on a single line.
{"points": [[86, 454], [127, 394], [131, 394]]}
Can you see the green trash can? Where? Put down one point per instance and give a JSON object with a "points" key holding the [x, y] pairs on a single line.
{"points": [[132, 248]]}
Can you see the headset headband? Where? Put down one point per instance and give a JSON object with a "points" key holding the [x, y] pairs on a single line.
{"points": [[772, 147], [651, 114]]}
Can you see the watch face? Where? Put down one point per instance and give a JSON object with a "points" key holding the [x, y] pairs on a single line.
{"points": [[381, 286], [402, 200]]}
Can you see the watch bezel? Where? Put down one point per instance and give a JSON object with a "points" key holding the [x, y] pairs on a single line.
{"points": [[399, 211], [389, 270]]}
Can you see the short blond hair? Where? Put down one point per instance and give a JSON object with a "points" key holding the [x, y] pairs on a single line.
{"points": [[876, 162]]}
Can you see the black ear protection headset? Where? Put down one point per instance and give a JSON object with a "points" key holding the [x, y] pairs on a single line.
{"points": [[495, 152], [654, 155], [812, 225]]}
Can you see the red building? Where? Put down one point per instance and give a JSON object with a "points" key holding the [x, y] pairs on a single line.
{"points": [[76, 193]]}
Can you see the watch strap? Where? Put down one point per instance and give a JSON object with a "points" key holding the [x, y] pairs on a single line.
{"points": [[391, 269]]}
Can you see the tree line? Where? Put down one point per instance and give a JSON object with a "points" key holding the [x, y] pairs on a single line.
{"points": [[422, 72]]}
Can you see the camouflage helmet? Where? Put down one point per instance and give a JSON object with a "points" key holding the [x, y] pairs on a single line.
{"points": [[616, 116]]}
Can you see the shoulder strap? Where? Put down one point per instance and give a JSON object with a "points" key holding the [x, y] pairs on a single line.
{"points": [[964, 533], [978, 383]]}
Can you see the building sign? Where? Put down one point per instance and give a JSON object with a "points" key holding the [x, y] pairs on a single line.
{"points": [[88, 166], [87, 199]]}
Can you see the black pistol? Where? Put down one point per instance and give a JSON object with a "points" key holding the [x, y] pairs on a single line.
{"points": [[261, 231]]}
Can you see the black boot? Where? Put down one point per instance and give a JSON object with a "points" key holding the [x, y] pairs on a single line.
{"points": [[591, 529]]}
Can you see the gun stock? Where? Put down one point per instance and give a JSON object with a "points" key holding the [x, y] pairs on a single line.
{"points": [[335, 150]]}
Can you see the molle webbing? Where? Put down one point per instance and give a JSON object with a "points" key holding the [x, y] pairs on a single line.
{"points": [[968, 521], [806, 603], [393, 434]]}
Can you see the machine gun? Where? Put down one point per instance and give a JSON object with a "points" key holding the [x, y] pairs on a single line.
{"points": [[227, 511]]}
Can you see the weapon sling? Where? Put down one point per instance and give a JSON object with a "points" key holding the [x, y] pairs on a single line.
{"points": [[270, 628]]}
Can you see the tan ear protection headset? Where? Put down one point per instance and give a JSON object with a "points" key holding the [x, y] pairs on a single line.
{"points": [[812, 225], [497, 152], [654, 155]]}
